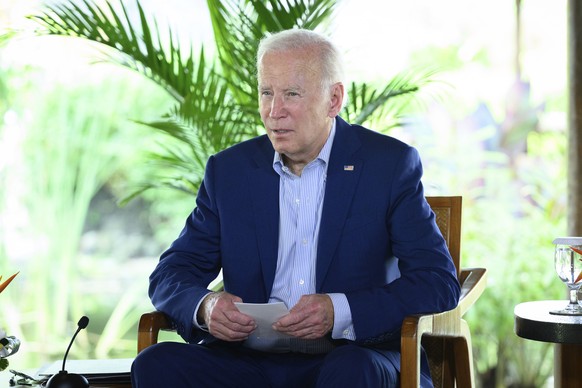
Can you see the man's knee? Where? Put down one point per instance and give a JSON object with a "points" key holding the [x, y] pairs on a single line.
{"points": [[171, 364], [160, 363], [151, 362], [352, 365]]}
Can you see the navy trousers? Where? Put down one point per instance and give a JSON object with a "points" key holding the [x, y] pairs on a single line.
{"points": [[177, 365]]}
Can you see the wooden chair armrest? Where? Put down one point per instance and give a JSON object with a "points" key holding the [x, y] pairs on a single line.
{"points": [[473, 283], [149, 328]]}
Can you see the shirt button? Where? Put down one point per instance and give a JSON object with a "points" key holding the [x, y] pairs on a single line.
{"points": [[346, 332], [301, 282], [304, 241]]}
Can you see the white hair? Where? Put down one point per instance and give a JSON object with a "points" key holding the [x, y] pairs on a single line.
{"points": [[330, 59]]}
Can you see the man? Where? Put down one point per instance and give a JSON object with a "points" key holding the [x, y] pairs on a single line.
{"points": [[327, 217]]}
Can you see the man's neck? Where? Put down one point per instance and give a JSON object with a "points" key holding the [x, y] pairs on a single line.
{"points": [[295, 167]]}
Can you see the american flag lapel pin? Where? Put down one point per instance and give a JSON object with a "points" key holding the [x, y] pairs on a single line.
{"points": [[349, 167]]}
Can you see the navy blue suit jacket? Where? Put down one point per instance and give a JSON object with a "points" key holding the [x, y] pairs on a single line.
{"points": [[374, 211]]}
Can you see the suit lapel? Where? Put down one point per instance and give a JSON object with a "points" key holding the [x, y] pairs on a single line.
{"points": [[264, 185], [343, 173]]}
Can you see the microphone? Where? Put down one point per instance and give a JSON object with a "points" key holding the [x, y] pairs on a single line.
{"points": [[70, 380]]}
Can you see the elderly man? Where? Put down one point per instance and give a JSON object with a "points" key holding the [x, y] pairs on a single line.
{"points": [[327, 217]]}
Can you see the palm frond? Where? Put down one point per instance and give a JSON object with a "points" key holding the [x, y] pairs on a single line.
{"points": [[282, 15], [138, 47], [368, 103], [239, 26], [5, 36], [178, 164], [207, 117], [213, 109], [236, 35]]}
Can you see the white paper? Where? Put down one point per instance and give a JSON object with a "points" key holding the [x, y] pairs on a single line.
{"points": [[264, 314], [90, 367]]}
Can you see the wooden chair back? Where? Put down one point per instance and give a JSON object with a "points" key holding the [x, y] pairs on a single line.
{"points": [[448, 212]]}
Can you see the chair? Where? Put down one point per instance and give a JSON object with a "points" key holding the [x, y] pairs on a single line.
{"points": [[445, 336]]}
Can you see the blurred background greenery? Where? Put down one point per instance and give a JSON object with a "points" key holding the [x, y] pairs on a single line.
{"points": [[478, 87]]}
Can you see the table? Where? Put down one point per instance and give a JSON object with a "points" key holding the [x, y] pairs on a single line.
{"points": [[533, 321], [6, 375]]}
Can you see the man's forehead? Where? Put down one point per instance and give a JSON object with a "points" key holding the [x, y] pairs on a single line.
{"points": [[285, 81], [281, 86], [303, 59], [287, 71]]}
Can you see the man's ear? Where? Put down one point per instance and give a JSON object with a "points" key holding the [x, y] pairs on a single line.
{"points": [[337, 99]]}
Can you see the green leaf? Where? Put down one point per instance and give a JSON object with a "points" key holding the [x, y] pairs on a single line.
{"points": [[3, 364]]}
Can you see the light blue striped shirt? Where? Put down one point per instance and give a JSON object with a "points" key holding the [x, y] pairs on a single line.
{"points": [[300, 204]]}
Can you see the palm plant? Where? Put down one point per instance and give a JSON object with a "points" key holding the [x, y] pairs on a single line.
{"points": [[215, 98]]}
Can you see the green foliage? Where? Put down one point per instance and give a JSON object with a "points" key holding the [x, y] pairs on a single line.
{"points": [[75, 142], [522, 266], [373, 105], [513, 207], [3, 364], [139, 48], [448, 57], [240, 25]]}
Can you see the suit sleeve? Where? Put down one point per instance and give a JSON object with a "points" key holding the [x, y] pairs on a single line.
{"points": [[186, 268]]}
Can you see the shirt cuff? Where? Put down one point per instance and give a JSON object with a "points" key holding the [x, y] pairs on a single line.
{"points": [[343, 327], [194, 320]]}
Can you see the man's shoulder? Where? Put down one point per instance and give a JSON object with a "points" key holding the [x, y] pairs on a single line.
{"points": [[256, 147], [371, 139]]}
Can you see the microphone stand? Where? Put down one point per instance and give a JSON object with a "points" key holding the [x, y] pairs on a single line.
{"points": [[63, 379]]}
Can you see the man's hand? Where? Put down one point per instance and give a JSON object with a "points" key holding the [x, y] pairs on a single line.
{"points": [[223, 319], [310, 318]]}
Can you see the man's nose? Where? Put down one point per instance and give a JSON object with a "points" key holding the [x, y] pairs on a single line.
{"points": [[277, 107]]}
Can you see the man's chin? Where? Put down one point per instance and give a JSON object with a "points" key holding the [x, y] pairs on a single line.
{"points": [[281, 146]]}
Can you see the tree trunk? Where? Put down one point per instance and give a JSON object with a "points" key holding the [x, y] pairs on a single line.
{"points": [[575, 118]]}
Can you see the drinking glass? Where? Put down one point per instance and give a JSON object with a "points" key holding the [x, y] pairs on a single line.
{"points": [[568, 266]]}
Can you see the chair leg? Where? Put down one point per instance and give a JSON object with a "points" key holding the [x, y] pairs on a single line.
{"points": [[410, 375], [464, 370], [410, 344], [410, 356]]}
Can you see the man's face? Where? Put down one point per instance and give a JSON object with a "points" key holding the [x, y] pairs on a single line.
{"points": [[295, 110]]}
